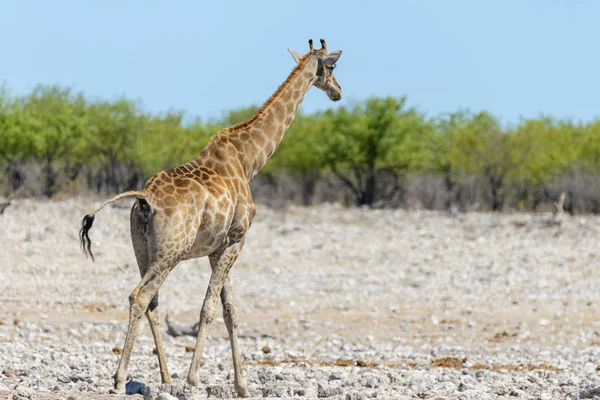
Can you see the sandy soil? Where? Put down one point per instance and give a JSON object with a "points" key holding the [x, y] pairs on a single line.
{"points": [[333, 302]]}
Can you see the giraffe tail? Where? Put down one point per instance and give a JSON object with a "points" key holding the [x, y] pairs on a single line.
{"points": [[88, 220]]}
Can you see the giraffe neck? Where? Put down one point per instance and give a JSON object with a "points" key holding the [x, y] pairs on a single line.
{"points": [[257, 139]]}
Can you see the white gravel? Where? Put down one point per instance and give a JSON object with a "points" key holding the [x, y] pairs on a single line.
{"points": [[352, 303]]}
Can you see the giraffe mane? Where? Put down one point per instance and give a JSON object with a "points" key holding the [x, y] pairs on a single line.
{"points": [[265, 107]]}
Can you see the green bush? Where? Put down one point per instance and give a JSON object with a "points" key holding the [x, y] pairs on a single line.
{"points": [[115, 145]]}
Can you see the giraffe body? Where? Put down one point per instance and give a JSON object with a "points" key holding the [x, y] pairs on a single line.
{"points": [[204, 208]]}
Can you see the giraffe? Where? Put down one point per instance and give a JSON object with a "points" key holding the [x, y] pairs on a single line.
{"points": [[204, 208]]}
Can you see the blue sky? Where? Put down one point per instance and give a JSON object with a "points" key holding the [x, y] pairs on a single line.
{"points": [[513, 58]]}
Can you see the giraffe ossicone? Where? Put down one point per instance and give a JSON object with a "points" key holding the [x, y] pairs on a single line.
{"points": [[204, 208]]}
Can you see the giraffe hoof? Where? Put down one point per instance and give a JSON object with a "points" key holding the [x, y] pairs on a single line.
{"points": [[167, 380], [242, 390], [119, 386], [193, 380]]}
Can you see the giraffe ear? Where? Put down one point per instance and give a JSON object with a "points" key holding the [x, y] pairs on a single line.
{"points": [[297, 56], [332, 58]]}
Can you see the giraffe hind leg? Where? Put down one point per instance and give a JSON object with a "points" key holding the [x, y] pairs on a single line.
{"points": [[140, 216], [153, 317], [139, 300]]}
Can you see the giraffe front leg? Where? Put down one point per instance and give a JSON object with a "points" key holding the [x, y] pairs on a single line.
{"points": [[231, 322], [206, 316], [221, 262]]}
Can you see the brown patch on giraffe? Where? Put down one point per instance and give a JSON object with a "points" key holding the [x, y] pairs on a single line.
{"points": [[265, 107], [219, 219], [181, 192], [221, 140], [270, 119], [287, 95], [307, 75], [169, 201], [224, 203], [248, 147], [257, 143], [209, 164], [181, 183], [290, 109], [232, 152], [165, 177], [219, 155], [220, 169], [258, 138], [238, 142], [204, 177], [205, 169], [279, 111], [297, 94], [168, 189]]}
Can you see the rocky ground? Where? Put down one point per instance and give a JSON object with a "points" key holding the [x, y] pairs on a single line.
{"points": [[333, 302]]}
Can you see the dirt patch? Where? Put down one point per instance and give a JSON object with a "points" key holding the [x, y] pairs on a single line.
{"points": [[448, 362], [501, 336], [516, 368]]}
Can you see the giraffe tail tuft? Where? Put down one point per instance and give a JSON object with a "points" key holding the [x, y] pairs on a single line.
{"points": [[84, 237], [88, 220]]}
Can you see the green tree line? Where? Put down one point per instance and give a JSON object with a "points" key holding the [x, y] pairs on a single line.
{"points": [[55, 141]]}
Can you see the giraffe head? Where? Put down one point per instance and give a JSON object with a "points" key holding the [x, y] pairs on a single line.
{"points": [[325, 79]]}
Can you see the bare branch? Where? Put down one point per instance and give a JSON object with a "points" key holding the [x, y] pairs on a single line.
{"points": [[346, 181]]}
